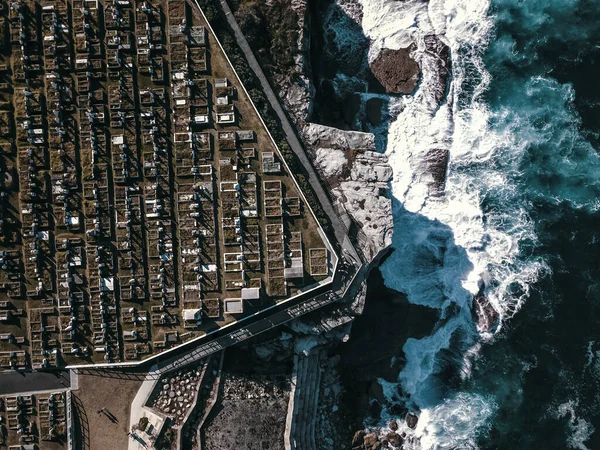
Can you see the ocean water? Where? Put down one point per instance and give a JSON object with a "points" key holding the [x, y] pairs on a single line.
{"points": [[519, 218]]}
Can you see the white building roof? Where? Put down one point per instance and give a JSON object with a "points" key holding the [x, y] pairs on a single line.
{"points": [[191, 314], [250, 293]]}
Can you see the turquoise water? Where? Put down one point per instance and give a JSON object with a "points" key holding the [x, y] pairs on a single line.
{"points": [[519, 218], [535, 383], [521, 211], [542, 370]]}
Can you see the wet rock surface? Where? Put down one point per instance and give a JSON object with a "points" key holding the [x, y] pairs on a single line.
{"points": [[436, 162], [396, 70], [441, 52]]}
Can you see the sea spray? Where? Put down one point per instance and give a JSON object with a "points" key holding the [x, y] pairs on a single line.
{"points": [[447, 245], [580, 429], [455, 423], [517, 163]]}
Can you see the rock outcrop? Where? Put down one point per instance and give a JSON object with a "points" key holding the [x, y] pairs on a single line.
{"points": [[396, 70], [297, 91], [359, 179], [441, 52], [279, 33]]}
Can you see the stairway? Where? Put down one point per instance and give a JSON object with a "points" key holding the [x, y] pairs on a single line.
{"points": [[304, 399]]}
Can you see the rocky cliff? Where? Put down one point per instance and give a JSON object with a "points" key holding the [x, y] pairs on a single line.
{"points": [[298, 90], [359, 180], [347, 160]]}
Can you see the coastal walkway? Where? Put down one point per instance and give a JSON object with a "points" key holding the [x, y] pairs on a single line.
{"points": [[346, 283], [339, 224]]}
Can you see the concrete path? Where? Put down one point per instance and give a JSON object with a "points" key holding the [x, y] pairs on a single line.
{"points": [[304, 398], [138, 409]]}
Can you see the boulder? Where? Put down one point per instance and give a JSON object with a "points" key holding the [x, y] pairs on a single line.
{"points": [[358, 438], [411, 420], [396, 70], [371, 442], [394, 439]]}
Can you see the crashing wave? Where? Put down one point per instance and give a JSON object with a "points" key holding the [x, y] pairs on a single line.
{"points": [[465, 177], [458, 232]]}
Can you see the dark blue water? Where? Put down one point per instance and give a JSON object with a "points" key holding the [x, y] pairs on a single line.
{"points": [[520, 210], [542, 372]]}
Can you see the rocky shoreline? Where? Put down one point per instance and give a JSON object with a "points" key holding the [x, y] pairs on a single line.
{"points": [[358, 178], [374, 351], [363, 339]]}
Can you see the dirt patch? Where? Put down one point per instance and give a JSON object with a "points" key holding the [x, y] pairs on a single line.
{"points": [[396, 70], [97, 430], [248, 424], [251, 410]]}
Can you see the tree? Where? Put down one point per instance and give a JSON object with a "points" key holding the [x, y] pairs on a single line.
{"points": [[143, 423]]}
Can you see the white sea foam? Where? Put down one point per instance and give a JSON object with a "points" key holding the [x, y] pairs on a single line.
{"points": [[454, 423], [580, 429], [447, 245]]}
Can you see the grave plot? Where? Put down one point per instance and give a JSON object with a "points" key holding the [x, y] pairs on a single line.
{"points": [[143, 202]]}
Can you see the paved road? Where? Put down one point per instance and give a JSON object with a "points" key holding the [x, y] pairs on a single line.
{"points": [[21, 382], [340, 229]]}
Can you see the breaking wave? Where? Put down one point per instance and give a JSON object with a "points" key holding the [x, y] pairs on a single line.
{"points": [[478, 235], [508, 139]]}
